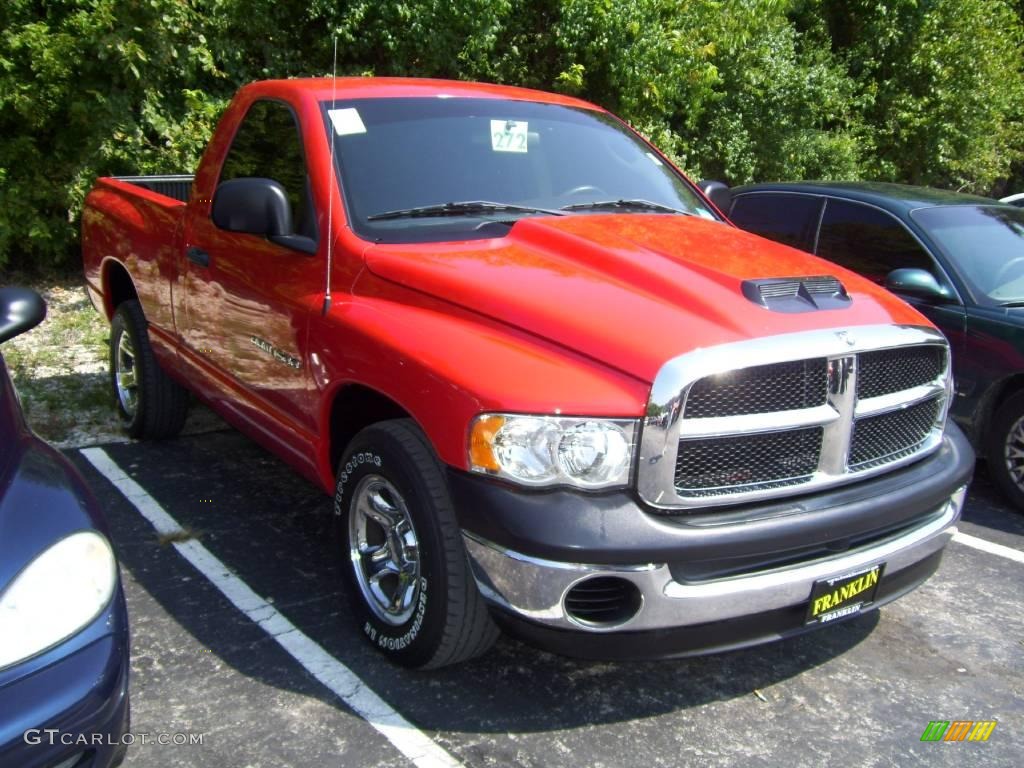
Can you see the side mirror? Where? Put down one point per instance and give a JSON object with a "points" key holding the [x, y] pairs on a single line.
{"points": [[21, 309], [258, 206], [717, 192], [919, 283]]}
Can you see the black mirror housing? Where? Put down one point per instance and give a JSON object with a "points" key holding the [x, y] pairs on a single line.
{"points": [[21, 309], [717, 192], [255, 206], [919, 283]]}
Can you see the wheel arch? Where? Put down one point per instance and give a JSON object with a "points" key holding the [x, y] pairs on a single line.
{"points": [[118, 287], [354, 407]]}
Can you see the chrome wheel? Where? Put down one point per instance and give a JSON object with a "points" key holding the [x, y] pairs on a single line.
{"points": [[384, 550], [1013, 453], [125, 375]]}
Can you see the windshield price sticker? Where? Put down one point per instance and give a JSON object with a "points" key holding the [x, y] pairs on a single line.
{"points": [[509, 135], [346, 121]]}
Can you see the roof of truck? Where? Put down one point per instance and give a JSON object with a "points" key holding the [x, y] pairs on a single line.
{"points": [[397, 87]]}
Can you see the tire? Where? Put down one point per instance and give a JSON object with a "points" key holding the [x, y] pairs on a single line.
{"points": [[408, 575], [1006, 449], [151, 404]]}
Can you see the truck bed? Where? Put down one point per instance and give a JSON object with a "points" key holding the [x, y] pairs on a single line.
{"points": [[176, 185], [141, 219]]}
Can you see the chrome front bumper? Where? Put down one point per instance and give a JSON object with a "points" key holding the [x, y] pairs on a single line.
{"points": [[534, 589]]}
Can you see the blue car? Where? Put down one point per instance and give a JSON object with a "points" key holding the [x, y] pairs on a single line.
{"points": [[63, 621]]}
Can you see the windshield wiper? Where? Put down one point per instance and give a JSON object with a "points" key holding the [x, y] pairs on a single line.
{"points": [[639, 205], [1011, 304], [467, 208]]}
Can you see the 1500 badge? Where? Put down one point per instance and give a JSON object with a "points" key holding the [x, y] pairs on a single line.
{"points": [[277, 354]]}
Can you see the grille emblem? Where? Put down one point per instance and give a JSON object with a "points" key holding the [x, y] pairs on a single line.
{"points": [[848, 337]]}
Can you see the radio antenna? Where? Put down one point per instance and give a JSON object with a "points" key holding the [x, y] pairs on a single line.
{"points": [[330, 186]]}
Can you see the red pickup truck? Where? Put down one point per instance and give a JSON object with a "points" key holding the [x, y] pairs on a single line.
{"points": [[549, 385]]}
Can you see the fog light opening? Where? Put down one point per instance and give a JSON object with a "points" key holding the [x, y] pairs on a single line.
{"points": [[603, 602]]}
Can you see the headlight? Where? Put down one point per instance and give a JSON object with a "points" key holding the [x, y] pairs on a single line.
{"points": [[551, 450], [59, 593]]}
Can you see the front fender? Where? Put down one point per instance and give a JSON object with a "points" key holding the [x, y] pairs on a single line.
{"points": [[444, 366]]}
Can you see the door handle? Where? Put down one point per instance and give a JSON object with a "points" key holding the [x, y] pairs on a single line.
{"points": [[198, 256]]}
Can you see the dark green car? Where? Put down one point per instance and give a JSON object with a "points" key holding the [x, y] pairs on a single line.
{"points": [[958, 258]]}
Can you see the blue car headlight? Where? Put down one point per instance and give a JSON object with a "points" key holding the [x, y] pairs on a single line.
{"points": [[56, 595]]}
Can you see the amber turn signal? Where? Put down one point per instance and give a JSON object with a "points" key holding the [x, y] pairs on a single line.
{"points": [[481, 442]]}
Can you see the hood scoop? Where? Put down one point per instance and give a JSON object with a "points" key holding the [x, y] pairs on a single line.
{"points": [[797, 294]]}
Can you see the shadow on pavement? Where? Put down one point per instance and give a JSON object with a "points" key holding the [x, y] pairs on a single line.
{"points": [[987, 507], [271, 528]]}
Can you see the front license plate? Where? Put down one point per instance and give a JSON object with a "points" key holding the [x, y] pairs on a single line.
{"points": [[834, 598]]}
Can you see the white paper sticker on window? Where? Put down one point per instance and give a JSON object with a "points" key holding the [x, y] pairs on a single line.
{"points": [[653, 158], [346, 121], [508, 135]]}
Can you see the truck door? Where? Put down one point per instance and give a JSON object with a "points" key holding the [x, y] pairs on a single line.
{"points": [[247, 300]]}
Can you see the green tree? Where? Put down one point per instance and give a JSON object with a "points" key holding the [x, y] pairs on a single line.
{"points": [[942, 86], [783, 108], [88, 88]]}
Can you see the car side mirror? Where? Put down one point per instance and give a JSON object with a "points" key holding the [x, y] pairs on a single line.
{"points": [[717, 192], [258, 206], [919, 283], [21, 309]]}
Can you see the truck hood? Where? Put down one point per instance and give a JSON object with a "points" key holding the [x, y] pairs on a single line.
{"points": [[628, 290]]}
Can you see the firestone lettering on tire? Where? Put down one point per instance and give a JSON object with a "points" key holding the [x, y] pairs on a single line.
{"points": [[388, 643], [370, 631], [360, 458]]}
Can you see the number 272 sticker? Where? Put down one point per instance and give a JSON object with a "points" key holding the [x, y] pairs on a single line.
{"points": [[508, 135]]}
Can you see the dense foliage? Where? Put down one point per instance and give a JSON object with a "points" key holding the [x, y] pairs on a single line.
{"points": [[918, 91]]}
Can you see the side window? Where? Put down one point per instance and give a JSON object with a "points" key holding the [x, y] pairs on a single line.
{"points": [[268, 145], [869, 241], [790, 219]]}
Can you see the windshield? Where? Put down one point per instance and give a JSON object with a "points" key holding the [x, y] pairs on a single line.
{"points": [[496, 160], [986, 246]]}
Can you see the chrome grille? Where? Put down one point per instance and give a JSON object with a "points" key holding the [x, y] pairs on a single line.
{"points": [[715, 465], [800, 412], [760, 389], [882, 438], [892, 370]]}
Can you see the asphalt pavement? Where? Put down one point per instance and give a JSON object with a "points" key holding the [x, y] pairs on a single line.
{"points": [[857, 693]]}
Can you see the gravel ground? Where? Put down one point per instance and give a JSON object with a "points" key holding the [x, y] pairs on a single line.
{"points": [[60, 369]]}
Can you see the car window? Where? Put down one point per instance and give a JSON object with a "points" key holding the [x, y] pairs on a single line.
{"points": [[984, 244], [870, 242], [787, 218], [268, 145]]}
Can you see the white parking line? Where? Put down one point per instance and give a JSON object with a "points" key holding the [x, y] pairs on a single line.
{"points": [[989, 546], [408, 739]]}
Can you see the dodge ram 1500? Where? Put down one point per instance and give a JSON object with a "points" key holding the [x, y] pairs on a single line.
{"points": [[549, 385]]}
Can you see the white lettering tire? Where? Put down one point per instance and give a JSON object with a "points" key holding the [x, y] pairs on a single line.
{"points": [[408, 576]]}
